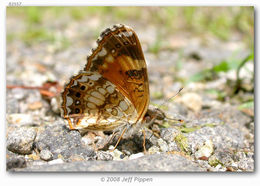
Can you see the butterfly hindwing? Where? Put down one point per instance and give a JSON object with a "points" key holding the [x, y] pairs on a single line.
{"points": [[92, 102]]}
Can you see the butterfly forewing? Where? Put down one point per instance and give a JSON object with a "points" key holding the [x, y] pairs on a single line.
{"points": [[119, 58]]}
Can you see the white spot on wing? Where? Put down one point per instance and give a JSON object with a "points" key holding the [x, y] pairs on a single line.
{"points": [[103, 52], [102, 91], [119, 25], [96, 101], [75, 83], [99, 38], [123, 105], [68, 110], [94, 77], [130, 33], [83, 79], [95, 45], [110, 89], [113, 29], [69, 101], [91, 105], [95, 57], [98, 95]]}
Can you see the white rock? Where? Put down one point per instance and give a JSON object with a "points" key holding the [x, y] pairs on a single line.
{"points": [[56, 161], [18, 93], [163, 145], [21, 140], [46, 155], [116, 154], [154, 150], [206, 150], [193, 101], [87, 141], [55, 105], [135, 156], [20, 119]]}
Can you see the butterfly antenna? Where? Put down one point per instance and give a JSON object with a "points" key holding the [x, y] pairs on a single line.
{"points": [[167, 100]]}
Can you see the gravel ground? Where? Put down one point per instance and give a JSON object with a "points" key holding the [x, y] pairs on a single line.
{"points": [[214, 136]]}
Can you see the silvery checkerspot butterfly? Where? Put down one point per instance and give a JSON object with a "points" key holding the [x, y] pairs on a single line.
{"points": [[113, 88]]}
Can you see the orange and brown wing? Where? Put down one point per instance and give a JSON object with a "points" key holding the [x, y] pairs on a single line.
{"points": [[119, 58], [91, 102]]}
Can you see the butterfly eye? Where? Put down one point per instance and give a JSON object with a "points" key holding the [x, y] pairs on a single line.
{"points": [[118, 45], [77, 102], [126, 43]]}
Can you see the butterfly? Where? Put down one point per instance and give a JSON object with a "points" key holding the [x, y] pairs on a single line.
{"points": [[113, 87]]}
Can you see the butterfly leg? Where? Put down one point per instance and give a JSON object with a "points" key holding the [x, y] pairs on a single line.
{"points": [[110, 139], [119, 139], [143, 131], [105, 146], [70, 124]]}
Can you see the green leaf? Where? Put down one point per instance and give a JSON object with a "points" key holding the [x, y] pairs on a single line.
{"points": [[222, 67], [249, 104]]}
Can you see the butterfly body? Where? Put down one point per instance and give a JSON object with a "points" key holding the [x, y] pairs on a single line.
{"points": [[113, 88]]}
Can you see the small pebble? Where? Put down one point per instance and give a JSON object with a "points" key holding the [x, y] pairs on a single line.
{"points": [[205, 151], [56, 161], [17, 162], [193, 101], [111, 147], [163, 145], [46, 155], [87, 140], [168, 134], [38, 163], [218, 166], [21, 140], [18, 93], [76, 157], [20, 119], [116, 154], [135, 156], [104, 156], [173, 146], [154, 150], [35, 105], [55, 105], [32, 156]]}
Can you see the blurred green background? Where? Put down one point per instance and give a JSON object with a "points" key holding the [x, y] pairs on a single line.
{"points": [[220, 22], [160, 29]]}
